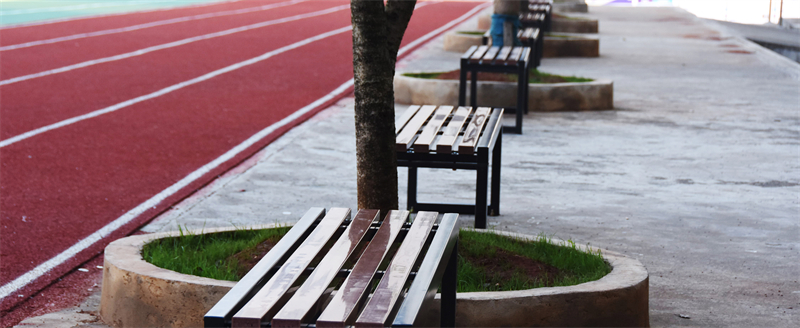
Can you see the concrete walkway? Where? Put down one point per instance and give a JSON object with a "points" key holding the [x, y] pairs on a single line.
{"points": [[696, 173]]}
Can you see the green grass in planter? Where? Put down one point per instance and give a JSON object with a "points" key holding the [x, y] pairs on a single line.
{"points": [[472, 32], [537, 77], [425, 75], [210, 255], [206, 255], [575, 266]]}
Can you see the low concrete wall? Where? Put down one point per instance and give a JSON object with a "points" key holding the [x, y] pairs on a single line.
{"points": [[574, 25], [570, 6], [542, 97], [139, 294], [460, 42], [571, 45]]}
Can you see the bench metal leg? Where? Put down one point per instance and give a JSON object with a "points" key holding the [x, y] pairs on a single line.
{"points": [[473, 87], [462, 86], [449, 284], [494, 206], [412, 189], [480, 198]]}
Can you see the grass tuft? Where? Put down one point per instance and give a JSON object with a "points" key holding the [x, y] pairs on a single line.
{"points": [[536, 76], [210, 255], [574, 265], [472, 32], [206, 255]]}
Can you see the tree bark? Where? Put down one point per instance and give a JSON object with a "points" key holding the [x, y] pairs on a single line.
{"points": [[377, 32]]}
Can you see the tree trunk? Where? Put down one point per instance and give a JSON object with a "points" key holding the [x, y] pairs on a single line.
{"points": [[377, 32]]}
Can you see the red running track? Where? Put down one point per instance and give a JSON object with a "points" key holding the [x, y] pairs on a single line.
{"points": [[58, 188]]}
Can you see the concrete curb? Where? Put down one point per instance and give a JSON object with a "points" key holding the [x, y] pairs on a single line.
{"points": [[139, 294], [542, 97]]}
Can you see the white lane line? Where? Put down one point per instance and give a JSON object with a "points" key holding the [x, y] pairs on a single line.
{"points": [[65, 8], [67, 19], [85, 243], [172, 44], [169, 89], [150, 24], [155, 200], [43, 268]]}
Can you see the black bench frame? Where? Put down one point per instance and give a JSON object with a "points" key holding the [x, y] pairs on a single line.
{"points": [[437, 268], [488, 153], [520, 68]]}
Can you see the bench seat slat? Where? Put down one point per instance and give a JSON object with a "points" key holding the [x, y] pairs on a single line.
{"points": [[502, 57], [450, 134], [429, 275], [473, 131], [478, 54], [493, 126], [491, 54], [407, 134], [304, 299], [469, 52], [224, 309], [377, 311], [266, 302], [403, 120], [429, 132], [354, 289], [516, 53]]}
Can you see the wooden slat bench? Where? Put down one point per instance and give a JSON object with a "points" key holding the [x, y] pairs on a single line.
{"points": [[500, 60], [528, 16], [531, 38], [291, 286], [453, 138]]}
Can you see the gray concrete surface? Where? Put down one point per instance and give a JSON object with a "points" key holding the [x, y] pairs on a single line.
{"points": [[696, 173]]}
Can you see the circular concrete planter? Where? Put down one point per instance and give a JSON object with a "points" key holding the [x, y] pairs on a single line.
{"points": [[457, 41], [566, 24], [542, 97], [571, 45], [570, 6], [139, 294]]}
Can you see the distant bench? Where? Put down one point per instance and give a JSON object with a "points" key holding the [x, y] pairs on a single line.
{"points": [[289, 286], [514, 60], [453, 138], [530, 37], [537, 14]]}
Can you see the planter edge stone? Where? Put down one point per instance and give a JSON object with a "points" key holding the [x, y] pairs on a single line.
{"points": [[542, 97], [137, 293]]}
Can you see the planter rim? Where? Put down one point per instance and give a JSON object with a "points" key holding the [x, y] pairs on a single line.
{"points": [[125, 254], [594, 82]]}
